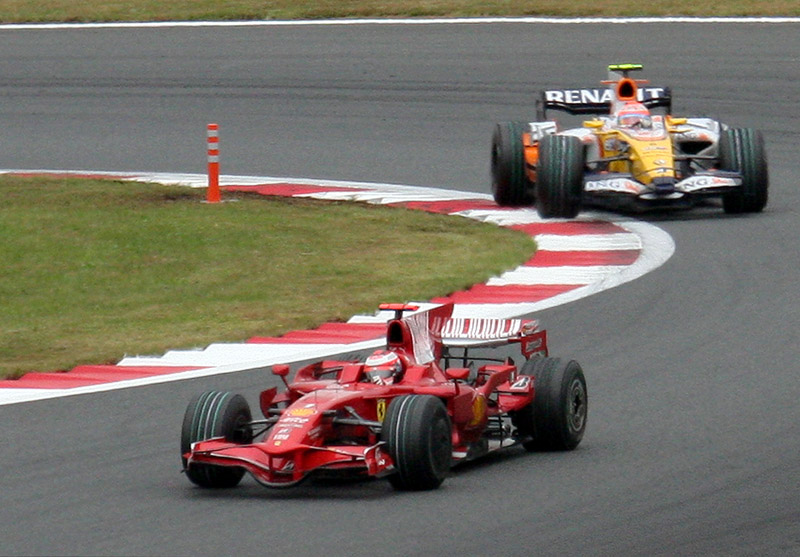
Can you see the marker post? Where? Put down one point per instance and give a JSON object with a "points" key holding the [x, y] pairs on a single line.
{"points": [[213, 193]]}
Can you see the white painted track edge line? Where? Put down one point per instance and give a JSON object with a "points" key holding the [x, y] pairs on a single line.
{"points": [[406, 21]]}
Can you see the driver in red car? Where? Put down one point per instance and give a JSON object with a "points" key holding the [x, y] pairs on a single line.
{"points": [[383, 367]]}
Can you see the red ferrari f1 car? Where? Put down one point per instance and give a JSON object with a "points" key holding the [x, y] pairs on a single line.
{"points": [[407, 412], [624, 156]]}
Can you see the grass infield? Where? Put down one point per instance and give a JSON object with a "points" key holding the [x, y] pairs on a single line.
{"points": [[17, 11], [94, 270]]}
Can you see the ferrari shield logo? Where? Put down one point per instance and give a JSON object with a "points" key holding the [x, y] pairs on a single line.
{"points": [[381, 409]]}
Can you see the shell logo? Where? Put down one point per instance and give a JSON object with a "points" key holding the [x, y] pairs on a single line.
{"points": [[302, 411]]}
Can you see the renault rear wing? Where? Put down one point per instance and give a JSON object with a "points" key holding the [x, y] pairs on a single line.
{"points": [[597, 100]]}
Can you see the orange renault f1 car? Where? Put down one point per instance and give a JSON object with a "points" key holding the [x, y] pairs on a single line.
{"points": [[407, 412], [625, 156]]}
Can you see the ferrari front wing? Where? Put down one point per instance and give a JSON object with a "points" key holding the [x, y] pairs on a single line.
{"points": [[290, 467]]}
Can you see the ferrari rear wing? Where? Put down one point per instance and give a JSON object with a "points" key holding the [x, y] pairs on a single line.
{"points": [[459, 331], [596, 100], [480, 332], [427, 334]]}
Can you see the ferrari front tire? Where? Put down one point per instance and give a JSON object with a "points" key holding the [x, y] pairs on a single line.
{"points": [[510, 184], [418, 436], [556, 419], [209, 415], [742, 150], [559, 177]]}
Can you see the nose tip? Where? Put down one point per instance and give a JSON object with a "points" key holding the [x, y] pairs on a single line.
{"points": [[664, 185]]}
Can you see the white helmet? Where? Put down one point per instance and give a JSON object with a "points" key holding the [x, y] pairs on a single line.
{"points": [[634, 115], [382, 366]]}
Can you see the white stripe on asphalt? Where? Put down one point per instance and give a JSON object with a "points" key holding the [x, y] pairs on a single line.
{"points": [[671, 20]]}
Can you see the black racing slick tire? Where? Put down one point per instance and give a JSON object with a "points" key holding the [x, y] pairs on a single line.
{"points": [[418, 436], [215, 414], [559, 177], [742, 150], [556, 419], [510, 184]]}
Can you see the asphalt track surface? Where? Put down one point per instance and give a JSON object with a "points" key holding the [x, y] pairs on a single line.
{"points": [[693, 438]]}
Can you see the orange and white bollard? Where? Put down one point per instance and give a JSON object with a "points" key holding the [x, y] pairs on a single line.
{"points": [[213, 193]]}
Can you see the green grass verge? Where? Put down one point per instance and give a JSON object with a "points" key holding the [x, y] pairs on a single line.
{"points": [[94, 270], [159, 10]]}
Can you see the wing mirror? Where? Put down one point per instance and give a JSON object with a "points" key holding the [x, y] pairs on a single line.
{"points": [[457, 373], [281, 370]]}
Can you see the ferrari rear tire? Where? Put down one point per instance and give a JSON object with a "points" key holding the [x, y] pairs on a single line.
{"points": [[742, 150], [556, 419], [559, 177], [510, 184], [215, 414], [524, 419], [418, 436]]}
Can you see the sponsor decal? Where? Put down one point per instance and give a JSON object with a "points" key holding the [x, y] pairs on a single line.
{"points": [[381, 409], [541, 129], [295, 424], [694, 135], [622, 185], [478, 410], [302, 411], [294, 420], [701, 182], [423, 340], [532, 346], [483, 329], [521, 384], [596, 95], [288, 466]]}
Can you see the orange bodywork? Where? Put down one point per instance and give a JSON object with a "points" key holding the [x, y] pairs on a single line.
{"points": [[531, 150]]}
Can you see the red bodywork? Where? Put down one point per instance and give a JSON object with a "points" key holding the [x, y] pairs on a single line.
{"points": [[329, 417]]}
